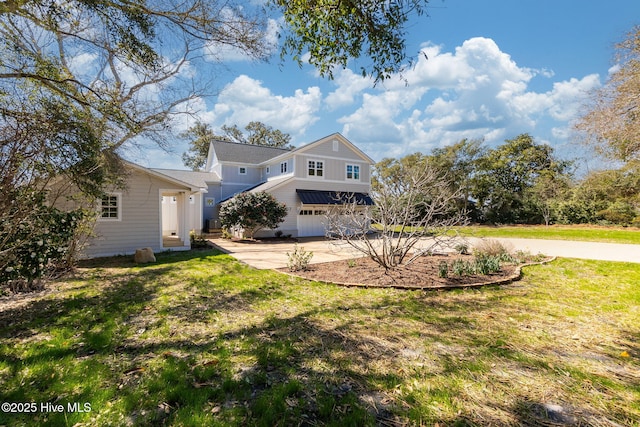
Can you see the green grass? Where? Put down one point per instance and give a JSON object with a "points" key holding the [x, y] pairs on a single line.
{"points": [[200, 339], [558, 232]]}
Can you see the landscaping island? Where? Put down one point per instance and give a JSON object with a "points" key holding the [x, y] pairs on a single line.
{"points": [[426, 272]]}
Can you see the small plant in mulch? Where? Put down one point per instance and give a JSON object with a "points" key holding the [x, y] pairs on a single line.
{"points": [[299, 259], [443, 269], [198, 241]]}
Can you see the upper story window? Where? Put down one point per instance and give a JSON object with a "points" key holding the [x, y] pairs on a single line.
{"points": [[283, 167], [268, 170], [353, 172], [110, 207], [315, 168], [242, 170]]}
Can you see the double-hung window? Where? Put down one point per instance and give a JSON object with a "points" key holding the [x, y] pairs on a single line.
{"points": [[315, 168], [353, 172], [283, 167], [110, 207]]}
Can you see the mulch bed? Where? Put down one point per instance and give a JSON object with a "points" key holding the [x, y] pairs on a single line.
{"points": [[423, 273]]}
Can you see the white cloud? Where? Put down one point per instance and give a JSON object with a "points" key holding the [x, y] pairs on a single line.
{"points": [[245, 100], [350, 85], [476, 92]]}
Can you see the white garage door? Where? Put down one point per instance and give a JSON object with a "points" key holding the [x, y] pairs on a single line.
{"points": [[311, 221]]}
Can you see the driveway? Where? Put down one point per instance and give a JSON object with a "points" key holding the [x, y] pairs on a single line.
{"points": [[263, 255]]}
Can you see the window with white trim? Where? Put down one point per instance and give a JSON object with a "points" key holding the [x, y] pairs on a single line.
{"points": [[110, 207], [242, 170], [268, 170], [283, 167], [353, 172], [315, 168]]}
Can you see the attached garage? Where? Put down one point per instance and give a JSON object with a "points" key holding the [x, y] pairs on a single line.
{"points": [[311, 221], [314, 205]]}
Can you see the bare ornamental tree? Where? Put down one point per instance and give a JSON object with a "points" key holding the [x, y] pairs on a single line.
{"points": [[412, 206]]}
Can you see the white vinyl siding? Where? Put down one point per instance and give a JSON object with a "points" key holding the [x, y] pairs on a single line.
{"points": [[110, 207], [139, 226]]}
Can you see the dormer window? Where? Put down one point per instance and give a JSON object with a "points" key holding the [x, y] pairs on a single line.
{"points": [[242, 170], [315, 168], [283, 167]]}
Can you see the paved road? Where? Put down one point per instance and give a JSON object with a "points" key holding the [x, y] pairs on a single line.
{"points": [[572, 249], [274, 255]]}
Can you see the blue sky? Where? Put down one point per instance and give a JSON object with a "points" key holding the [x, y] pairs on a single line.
{"points": [[495, 69]]}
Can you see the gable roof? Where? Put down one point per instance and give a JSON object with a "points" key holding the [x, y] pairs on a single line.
{"points": [[159, 173], [245, 153], [326, 139], [234, 152], [195, 179]]}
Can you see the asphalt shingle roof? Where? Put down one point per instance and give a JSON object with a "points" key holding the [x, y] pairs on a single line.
{"points": [[245, 153], [195, 179]]}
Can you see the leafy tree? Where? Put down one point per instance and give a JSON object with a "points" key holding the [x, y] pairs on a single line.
{"points": [[200, 136], [460, 161], [252, 212], [607, 196], [257, 133], [80, 80], [612, 122], [506, 176], [548, 189], [333, 32]]}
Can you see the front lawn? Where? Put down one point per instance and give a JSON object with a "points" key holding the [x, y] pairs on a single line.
{"points": [[588, 233], [200, 339]]}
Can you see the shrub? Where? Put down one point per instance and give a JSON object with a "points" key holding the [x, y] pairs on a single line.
{"points": [[492, 247], [252, 212], [443, 269], [35, 242], [198, 241], [462, 248], [487, 264], [299, 259], [461, 267], [619, 212]]}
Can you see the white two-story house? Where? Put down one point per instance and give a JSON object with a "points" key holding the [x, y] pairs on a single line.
{"points": [[306, 179], [159, 208]]}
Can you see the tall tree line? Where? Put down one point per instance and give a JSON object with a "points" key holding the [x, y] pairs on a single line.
{"points": [[525, 182]]}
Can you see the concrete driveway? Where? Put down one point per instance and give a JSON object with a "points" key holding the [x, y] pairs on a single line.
{"points": [[263, 255]]}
